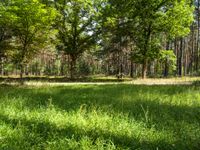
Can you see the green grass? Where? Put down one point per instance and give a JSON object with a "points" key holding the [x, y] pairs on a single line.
{"points": [[56, 79], [158, 117]]}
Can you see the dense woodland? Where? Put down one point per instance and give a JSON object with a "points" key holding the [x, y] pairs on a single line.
{"points": [[76, 38]]}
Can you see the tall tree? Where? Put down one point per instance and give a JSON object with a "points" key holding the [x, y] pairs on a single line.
{"points": [[5, 32], [77, 28], [32, 23], [150, 20]]}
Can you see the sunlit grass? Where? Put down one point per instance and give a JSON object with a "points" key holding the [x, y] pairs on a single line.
{"points": [[100, 117], [97, 79]]}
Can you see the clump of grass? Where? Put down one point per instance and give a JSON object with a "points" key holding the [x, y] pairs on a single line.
{"points": [[100, 117], [196, 83]]}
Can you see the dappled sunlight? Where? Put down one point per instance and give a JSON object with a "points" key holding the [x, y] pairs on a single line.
{"points": [[121, 115], [99, 75], [95, 124]]}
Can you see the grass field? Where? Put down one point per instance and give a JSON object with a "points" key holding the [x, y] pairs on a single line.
{"points": [[121, 116], [97, 79]]}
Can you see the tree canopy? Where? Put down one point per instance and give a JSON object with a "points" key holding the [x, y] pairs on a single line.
{"points": [[136, 30]]}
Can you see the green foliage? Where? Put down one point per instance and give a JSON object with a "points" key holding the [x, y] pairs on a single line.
{"points": [[152, 53], [5, 32], [84, 68], [8, 67], [76, 26], [168, 56], [31, 25], [115, 27], [178, 19], [148, 20]]}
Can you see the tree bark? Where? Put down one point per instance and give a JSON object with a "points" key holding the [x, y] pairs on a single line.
{"points": [[131, 69], [2, 67], [144, 69], [21, 74], [62, 65], [73, 67], [180, 59], [166, 70], [192, 51], [197, 49], [146, 45]]}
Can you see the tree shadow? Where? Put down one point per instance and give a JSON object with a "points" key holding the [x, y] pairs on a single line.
{"points": [[47, 131], [131, 99], [134, 100], [61, 79]]}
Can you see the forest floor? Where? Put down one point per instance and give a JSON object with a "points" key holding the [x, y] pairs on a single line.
{"points": [[87, 117]]}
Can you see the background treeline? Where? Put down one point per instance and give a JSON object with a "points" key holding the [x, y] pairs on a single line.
{"points": [[75, 38]]}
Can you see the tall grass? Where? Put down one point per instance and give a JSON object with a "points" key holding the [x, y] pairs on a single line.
{"points": [[100, 117]]}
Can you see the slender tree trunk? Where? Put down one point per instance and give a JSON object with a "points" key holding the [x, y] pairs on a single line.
{"points": [[121, 67], [176, 44], [185, 56], [62, 65], [118, 63], [27, 70], [136, 70], [131, 69], [73, 67], [180, 58], [192, 51], [21, 74], [166, 70], [2, 67], [144, 69], [146, 45], [197, 49]]}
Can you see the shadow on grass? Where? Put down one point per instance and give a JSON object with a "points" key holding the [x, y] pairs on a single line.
{"points": [[196, 83], [135, 100], [46, 131], [143, 103], [61, 79]]}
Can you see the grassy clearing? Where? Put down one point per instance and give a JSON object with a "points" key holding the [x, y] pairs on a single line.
{"points": [[100, 117], [59, 79], [53, 80]]}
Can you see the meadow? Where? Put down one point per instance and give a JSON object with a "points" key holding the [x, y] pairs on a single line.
{"points": [[87, 117]]}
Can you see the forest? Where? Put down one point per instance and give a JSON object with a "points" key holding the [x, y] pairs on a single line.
{"points": [[77, 38], [99, 74]]}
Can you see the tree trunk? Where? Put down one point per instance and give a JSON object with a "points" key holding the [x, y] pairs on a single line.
{"points": [[2, 67], [27, 70], [131, 69], [192, 51], [166, 70], [73, 67], [180, 59], [197, 49], [146, 47], [144, 69], [21, 74], [62, 65]]}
